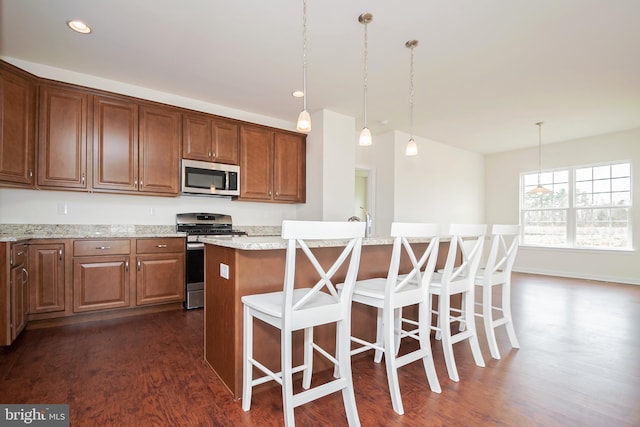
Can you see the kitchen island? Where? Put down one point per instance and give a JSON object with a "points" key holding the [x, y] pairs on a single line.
{"points": [[238, 266]]}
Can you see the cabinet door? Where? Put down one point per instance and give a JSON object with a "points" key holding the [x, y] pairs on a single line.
{"points": [[225, 141], [62, 138], [46, 267], [196, 137], [19, 301], [159, 163], [100, 283], [17, 129], [289, 167], [160, 278], [115, 144], [256, 163]]}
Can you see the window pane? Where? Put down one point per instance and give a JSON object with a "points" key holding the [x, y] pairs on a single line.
{"points": [[601, 186], [545, 227], [620, 170], [621, 184], [583, 174], [602, 228], [621, 198], [601, 172]]}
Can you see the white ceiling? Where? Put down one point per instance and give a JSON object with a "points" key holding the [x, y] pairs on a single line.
{"points": [[485, 70]]}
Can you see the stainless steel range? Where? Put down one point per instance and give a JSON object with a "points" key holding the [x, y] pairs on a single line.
{"points": [[197, 226]]}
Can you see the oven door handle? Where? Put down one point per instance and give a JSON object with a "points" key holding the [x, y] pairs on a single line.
{"points": [[195, 246]]}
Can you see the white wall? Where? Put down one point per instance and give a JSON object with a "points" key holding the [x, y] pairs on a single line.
{"points": [[442, 184], [502, 204], [41, 207]]}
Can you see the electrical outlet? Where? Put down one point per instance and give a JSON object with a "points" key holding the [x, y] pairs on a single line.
{"points": [[224, 271], [63, 209]]}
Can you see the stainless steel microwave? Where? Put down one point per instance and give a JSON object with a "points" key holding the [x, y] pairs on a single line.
{"points": [[210, 178]]}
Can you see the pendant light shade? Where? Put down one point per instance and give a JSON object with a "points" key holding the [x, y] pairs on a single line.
{"points": [[365, 135], [412, 147], [304, 119], [540, 189]]}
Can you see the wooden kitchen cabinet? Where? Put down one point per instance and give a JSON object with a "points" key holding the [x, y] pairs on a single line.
{"points": [[14, 283], [47, 277], [115, 144], [17, 127], [209, 139], [272, 165], [160, 270], [101, 276], [62, 137]]}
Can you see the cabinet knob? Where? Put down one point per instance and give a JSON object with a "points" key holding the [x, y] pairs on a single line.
{"points": [[161, 246], [210, 155]]}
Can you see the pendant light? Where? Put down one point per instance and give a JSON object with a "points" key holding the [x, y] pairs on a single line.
{"points": [[304, 119], [539, 190], [365, 134], [412, 148]]}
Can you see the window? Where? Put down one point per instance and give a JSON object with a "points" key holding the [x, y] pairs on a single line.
{"points": [[586, 207]]}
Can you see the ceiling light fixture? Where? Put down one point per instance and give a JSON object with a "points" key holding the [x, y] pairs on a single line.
{"points": [[79, 26], [412, 148], [365, 133], [540, 189], [304, 119]]}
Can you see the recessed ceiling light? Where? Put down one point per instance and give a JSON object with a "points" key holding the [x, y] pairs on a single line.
{"points": [[297, 94], [79, 26]]}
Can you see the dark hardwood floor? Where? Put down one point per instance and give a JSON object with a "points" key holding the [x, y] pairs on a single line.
{"points": [[579, 365]]}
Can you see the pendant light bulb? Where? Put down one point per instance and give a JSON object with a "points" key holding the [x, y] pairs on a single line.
{"points": [[365, 135], [304, 122], [304, 119], [540, 189], [412, 148]]}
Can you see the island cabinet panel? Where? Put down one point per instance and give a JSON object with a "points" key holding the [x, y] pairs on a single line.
{"points": [[115, 144], [17, 127], [101, 274], [209, 139], [159, 150], [47, 277], [62, 138], [160, 270]]}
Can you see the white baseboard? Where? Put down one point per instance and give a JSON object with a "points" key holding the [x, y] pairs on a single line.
{"points": [[575, 275]]}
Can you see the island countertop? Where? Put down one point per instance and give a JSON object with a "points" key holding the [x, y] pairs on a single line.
{"points": [[261, 243]]}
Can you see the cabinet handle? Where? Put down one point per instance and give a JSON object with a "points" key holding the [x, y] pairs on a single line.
{"points": [[30, 173], [161, 246], [210, 155], [82, 178], [20, 253], [277, 194], [269, 192], [102, 248], [60, 254], [139, 265], [126, 265], [135, 182], [25, 275], [11, 257]]}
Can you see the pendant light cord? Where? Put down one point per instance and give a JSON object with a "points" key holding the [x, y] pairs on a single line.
{"points": [[411, 92], [366, 72], [304, 54]]}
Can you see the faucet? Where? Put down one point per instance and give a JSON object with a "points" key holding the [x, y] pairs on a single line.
{"points": [[367, 230]]}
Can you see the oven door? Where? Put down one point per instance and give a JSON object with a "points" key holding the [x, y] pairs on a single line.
{"points": [[195, 275]]}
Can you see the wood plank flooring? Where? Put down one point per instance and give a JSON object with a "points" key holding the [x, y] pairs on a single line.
{"points": [[579, 365]]}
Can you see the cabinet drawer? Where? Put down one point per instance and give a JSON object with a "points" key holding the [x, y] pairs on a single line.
{"points": [[160, 245], [101, 247], [18, 254]]}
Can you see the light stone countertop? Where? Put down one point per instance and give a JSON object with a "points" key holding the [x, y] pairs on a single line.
{"points": [[261, 243], [16, 232]]}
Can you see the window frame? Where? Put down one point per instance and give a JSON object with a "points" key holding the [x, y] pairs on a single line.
{"points": [[572, 209]]}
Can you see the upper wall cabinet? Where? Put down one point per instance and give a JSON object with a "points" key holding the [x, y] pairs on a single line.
{"points": [[159, 150], [115, 144], [272, 165], [62, 138], [17, 127], [209, 139]]}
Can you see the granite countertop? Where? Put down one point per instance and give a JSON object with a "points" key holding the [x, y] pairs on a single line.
{"points": [[15, 232], [258, 243]]}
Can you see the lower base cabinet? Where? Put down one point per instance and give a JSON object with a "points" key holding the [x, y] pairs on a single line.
{"points": [[100, 283], [47, 274], [160, 270]]}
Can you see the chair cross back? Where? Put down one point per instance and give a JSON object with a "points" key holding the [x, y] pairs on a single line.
{"points": [[470, 252], [503, 252]]}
